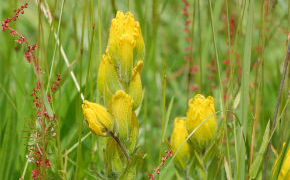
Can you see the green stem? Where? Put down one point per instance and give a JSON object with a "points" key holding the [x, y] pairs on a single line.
{"points": [[277, 107]]}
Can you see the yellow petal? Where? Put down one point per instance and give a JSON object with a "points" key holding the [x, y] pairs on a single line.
{"points": [[139, 49], [122, 105], [136, 85], [125, 55], [117, 29], [107, 97], [101, 74], [98, 118], [111, 77], [199, 109], [178, 136]]}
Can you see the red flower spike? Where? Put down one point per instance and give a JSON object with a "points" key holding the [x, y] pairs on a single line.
{"points": [[157, 169]]}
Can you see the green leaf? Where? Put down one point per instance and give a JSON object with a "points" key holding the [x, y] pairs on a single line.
{"points": [[257, 162], [130, 172], [200, 166], [211, 151], [167, 118]]}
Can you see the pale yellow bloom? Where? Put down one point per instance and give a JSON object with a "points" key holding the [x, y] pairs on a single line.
{"points": [[136, 85], [126, 45], [98, 118], [200, 108], [139, 50], [284, 173], [125, 55], [101, 74], [178, 136], [107, 76], [122, 105]]}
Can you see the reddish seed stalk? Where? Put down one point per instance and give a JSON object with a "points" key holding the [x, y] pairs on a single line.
{"points": [[189, 49], [38, 153], [157, 169]]}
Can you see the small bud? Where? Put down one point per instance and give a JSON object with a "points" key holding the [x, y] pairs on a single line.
{"points": [[136, 85], [122, 105], [98, 118], [200, 108], [139, 49], [178, 136]]}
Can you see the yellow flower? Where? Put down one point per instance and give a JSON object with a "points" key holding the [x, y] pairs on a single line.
{"points": [[284, 173], [136, 85], [126, 45], [102, 74], [178, 136], [199, 109], [122, 105], [125, 56], [107, 76], [98, 118]]}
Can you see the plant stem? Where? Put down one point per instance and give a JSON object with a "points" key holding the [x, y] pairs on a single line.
{"points": [[276, 108], [114, 9], [186, 174], [120, 144]]}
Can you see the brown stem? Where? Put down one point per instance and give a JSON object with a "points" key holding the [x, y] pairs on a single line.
{"points": [[114, 9], [276, 108], [121, 145], [186, 174]]}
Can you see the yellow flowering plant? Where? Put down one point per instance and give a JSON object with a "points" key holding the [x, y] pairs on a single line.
{"points": [[200, 126], [199, 109], [178, 136], [119, 84]]}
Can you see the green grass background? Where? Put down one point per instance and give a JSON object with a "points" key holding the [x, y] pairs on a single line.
{"points": [[162, 27]]}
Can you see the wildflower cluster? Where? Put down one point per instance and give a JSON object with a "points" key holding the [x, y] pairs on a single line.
{"points": [[36, 158], [5, 24], [119, 83], [29, 55], [35, 147], [44, 123], [199, 109]]}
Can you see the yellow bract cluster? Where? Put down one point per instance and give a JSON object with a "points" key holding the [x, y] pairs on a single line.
{"points": [[119, 83], [201, 119], [121, 66], [126, 45], [201, 109]]}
